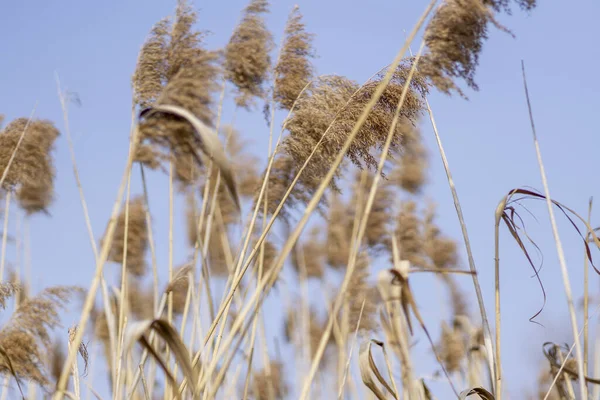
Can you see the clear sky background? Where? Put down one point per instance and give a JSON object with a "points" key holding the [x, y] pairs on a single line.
{"points": [[93, 46]]}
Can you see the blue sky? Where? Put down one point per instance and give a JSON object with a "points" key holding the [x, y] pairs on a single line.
{"points": [[93, 46]]}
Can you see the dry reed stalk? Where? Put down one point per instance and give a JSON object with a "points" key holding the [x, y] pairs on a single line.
{"points": [[103, 256], [326, 181], [127, 250], [559, 248], [4, 235], [472, 267], [63, 100], [586, 297]]}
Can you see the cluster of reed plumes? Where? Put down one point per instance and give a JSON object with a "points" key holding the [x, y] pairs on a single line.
{"points": [[266, 307]]}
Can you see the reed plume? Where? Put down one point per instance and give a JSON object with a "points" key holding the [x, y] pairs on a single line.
{"points": [[140, 300], [455, 37], [174, 56], [309, 256], [31, 174], [376, 231], [247, 59], [8, 290], [25, 338], [137, 238], [339, 232], [151, 69], [337, 101], [359, 291], [442, 252], [265, 382], [409, 172], [294, 69], [409, 235], [452, 348]]}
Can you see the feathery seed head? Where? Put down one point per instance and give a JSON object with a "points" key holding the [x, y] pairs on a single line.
{"points": [[247, 59], [137, 238], [294, 69]]}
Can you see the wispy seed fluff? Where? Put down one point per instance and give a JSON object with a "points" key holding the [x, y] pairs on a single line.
{"points": [[217, 239], [309, 257], [281, 177], [137, 238], [452, 348], [273, 380], [455, 37], [174, 68], [442, 253], [339, 102], [294, 69], [409, 234], [409, 171], [25, 338], [339, 232], [31, 173], [247, 59], [360, 291], [376, 233]]}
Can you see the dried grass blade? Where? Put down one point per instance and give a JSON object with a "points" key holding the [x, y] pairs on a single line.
{"points": [[364, 363], [209, 141], [481, 392], [136, 332], [368, 366]]}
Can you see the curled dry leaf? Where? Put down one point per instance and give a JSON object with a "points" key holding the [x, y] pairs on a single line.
{"points": [[368, 370], [136, 332]]}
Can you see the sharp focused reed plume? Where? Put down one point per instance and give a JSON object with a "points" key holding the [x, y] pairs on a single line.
{"points": [[294, 69], [151, 71], [137, 238], [247, 59], [338, 101], [455, 37], [174, 59], [31, 173]]}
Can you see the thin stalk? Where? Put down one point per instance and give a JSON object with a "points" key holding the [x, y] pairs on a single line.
{"points": [[586, 299], [5, 235], [89, 301], [86, 215], [465, 234], [559, 248], [118, 390], [497, 358]]}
